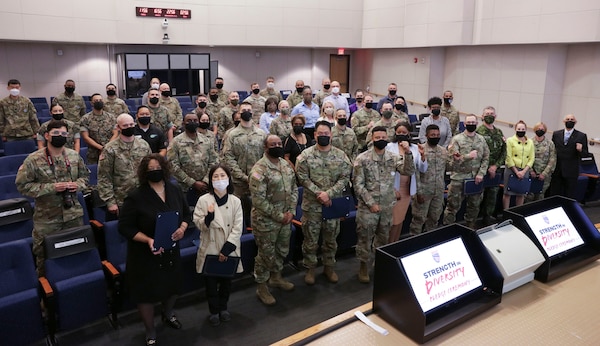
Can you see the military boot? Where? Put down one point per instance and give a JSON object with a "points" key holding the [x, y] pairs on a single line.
{"points": [[330, 274], [363, 273], [262, 292], [309, 278], [277, 281]]}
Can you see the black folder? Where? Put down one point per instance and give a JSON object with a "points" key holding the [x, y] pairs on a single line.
{"points": [[166, 224], [225, 269], [537, 186], [471, 188], [340, 207], [516, 185]]}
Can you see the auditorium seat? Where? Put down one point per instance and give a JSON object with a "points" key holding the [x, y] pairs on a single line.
{"points": [[132, 102], [243, 95], [588, 168], [8, 188], [16, 219], [21, 321], [39, 100], [26, 146], [10, 164], [285, 93], [188, 247], [83, 153], [183, 99]]}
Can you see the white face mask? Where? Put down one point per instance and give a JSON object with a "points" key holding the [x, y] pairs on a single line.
{"points": [[335, 90], [15, 92], [220, 185], [270, 85], [155, 85], [329, 111]]}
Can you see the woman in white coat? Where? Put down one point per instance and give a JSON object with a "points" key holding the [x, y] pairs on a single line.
{"points": [[404, 186], [219, 217]]}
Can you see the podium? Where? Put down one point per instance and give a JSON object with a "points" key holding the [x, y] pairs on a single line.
{"points": [[428, 284], [562, 232]]}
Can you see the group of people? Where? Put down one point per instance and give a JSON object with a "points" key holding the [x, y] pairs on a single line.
{"points": [[240, 164]]}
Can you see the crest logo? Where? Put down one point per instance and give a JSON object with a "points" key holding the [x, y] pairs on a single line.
{"points": [[436, 256], [546, 219]]}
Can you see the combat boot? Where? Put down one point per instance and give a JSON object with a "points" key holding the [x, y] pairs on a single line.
{"points": [[330, 274], [309, 278], [277, 281], [262, 292], [363, 273]]}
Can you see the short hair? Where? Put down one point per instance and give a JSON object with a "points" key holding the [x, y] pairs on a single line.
{"points": [[143, 167], [251, 84], [221, 78], [387, 103], [405, 124], [359, 91], [378, 129], [300, 117], [212, 170], [271, 77], [434, 101], [69, 80], [322, 123], [306, 87], [94, 94], [431, 127], [140, 107], [13, 81], [394, 84], [266, 140], [54, 105], [246, 103], [542, 125], [109, 84], [489, 107], [56, 124], [271, 100], [200, 95]]}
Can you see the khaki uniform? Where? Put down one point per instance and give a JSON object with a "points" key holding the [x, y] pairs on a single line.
{"points": [[174, 108], [100, 128], [115, 106], [161, 118], [36, 179], [345, 140], [430, 185], [360, 124], [320, 171], [320, 96], [453, 117], [274, 192], [191, 159], [258, 106], [281, 127], [462, 169], [266, 93], [74, 106], [117, 169], [545, 163], [373, 178], [497, 146], [73, 130], [294, 99], [18, 118]]}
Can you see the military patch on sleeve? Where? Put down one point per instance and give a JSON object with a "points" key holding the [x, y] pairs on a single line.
{"points": [[257, 176], [101, 156]]}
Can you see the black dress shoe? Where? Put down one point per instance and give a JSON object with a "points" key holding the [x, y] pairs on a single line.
{"points": [[172, 321]]}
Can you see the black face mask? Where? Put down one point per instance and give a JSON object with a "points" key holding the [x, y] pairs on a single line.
{"points": [[69, 90], [447, 100], [540, 133], [98, 105], [153, 100], [236, 123], [191, 127], [570, 124], [58, 141], [111, 92], [471, 127], [298, 129], [144, 120], [276, 152], [255, 91], [202, 104], [128, 132], [204, 125], [342, 121], [326, 86], [58, 116], [392, 92], [299, 90], [433, 141], [380, 144], [166, 93], [155, 176], [219, 86], [399, 107], [401, 138], [520, 134], [323, 140], [213, 98], [360, 99], [246, 116], [435, 112], [369, 105]]}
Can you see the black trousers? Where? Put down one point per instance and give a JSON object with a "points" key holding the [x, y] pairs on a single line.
{"points": [[217, 293], [563, 186]]}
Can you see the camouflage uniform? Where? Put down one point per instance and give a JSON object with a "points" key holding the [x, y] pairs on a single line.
{"points": [[497, 146], [117, 169], [266, 93], [345, 140], [320, 171], [211, 118], [430, 185], [36, 179], [462, 169], [453, 117], [360, 122], [258, 106], [274, 192], [294, 99], [161, 118], [320, 96], [224, 120], [191, 158], [18, 118], [389, 126], [209, 135], [281, 127], [223, 96], [545, 162], [74, 106], [174, 108], [72, 128], [373, 178], [400, 116], [213, 109], [100, 129], [115, 106]]}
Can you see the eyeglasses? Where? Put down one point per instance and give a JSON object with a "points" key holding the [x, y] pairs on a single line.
{"points": [[59, 133]]}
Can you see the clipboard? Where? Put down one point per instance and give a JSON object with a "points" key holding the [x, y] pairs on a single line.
{"points": [[516, 185], [226, 269], [470, 188], [166, 224], [340, 207]]}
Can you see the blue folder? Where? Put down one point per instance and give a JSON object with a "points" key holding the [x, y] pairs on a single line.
{"points": [[537, 186], [470, 188], [225, 269], [516, 185], [166, 224], [340, 207]]}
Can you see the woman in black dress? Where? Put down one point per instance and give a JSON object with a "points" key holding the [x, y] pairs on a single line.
{"points": [[297, 141], [153, 274]]}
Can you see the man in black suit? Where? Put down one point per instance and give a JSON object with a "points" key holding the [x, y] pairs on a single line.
{"points": [[570, 146]]}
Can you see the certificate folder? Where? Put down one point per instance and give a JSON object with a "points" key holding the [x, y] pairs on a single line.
{"points": [[225, 269], [471, 188], [517, 185], [340, 207], [166, 224]]}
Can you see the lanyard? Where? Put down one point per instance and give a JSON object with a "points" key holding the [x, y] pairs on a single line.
{"points": [[51, 164]]}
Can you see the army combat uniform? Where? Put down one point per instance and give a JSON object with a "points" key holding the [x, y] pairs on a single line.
{"points": [[115, 106], [191, 159], [545, 163], [258, 106], [497, 146], [345, 140], [453, 117], [73, 107], [281, 127], [72, 128], [161, 118], [18, 118], [294, 99], [360, 125], [100, 128], [172, 105]]}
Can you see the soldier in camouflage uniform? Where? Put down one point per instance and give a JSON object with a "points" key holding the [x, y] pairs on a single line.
{"points": [[497, 146], [363, 121], [296, 98], [47, 175], [118, 164], [324, 172], [224, 120], [373, 179], [257, 102], [388, 120], [399, 114], [450, 112], [205, 131], [274, 197], [202, 108], [18, 117], [242, 148], [545, 160], [468, 158], [214, 105], [343, 137], [323, 93], [161, 117], [428, 203], [73, 136], [113, 104], [223, 94], [71, 101], [171, 104], [270, 91], [97, 129], [282, 125], [191, 155]]}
